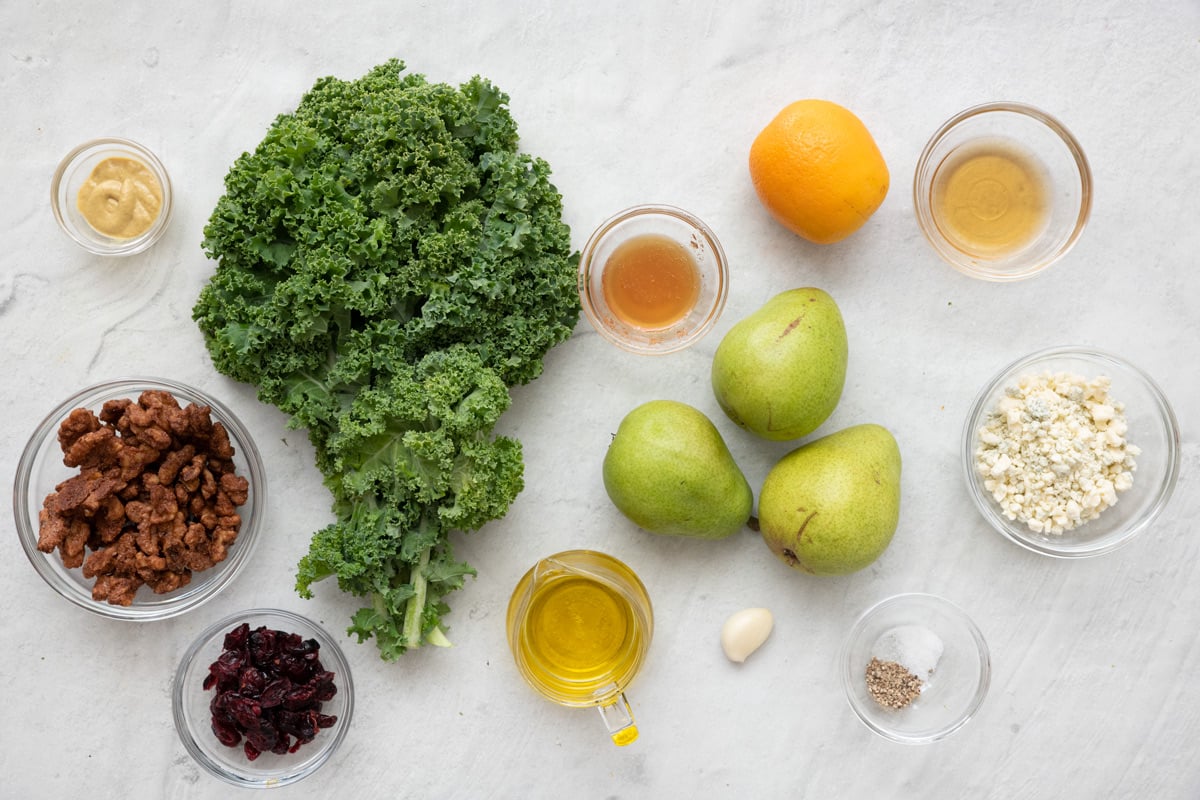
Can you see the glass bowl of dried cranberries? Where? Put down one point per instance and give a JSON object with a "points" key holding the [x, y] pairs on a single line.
{"points": [[139, 498], [1071, 452], [263, 698]]}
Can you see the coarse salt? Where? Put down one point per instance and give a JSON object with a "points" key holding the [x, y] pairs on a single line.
{"points": [[914, 647]]}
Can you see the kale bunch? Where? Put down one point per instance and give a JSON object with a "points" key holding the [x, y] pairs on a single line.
{"points": [[388, 266]]}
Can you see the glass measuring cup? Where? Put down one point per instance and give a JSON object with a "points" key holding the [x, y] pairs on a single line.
{"points": [[579, 626]]}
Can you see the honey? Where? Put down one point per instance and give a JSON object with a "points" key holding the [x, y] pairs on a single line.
{"points": [[990, 198], [651, 281]]}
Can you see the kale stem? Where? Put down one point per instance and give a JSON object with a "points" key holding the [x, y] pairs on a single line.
{"points": [[414, 609]]}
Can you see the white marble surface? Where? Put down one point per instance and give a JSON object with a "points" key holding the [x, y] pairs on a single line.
{"points": [[1093, 692]]}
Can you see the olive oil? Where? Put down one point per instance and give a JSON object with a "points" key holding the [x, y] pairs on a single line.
{"points": [[990, 198], [580, 632], [579, 626], [651, 281]]}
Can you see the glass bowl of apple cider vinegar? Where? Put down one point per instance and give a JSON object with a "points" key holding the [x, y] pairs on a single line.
{"points": [[653, 279], [1002, 191], [579, 625]]}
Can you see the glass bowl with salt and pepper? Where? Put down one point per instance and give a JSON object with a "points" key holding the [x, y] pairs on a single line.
{"points": [[915, 668]]}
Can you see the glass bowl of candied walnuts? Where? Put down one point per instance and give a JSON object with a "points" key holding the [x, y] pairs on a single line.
{"points": [[139, 498], [263, 698]]}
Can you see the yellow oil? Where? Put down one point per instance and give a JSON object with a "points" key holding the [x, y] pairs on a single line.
{"points": [[579, 634], [991, 198]]}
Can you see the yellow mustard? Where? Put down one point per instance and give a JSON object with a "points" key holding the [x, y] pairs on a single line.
{"points": [[121, 198]]}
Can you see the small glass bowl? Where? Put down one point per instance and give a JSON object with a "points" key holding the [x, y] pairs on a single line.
{"points": [[40, 469], [954, 690], [1152, 427], [687, 231], [75, 169], [193, 719], [1048, 147]]}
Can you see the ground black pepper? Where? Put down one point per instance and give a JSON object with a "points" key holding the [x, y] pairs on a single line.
{"points": [[891, 685]]}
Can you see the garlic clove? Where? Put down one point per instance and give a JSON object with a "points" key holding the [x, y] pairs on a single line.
{"points": [[745, 631]]}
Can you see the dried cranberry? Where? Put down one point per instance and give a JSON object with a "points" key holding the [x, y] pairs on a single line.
{"points": [[251, 681], [325, 690], [299, 698], [247, 712], [269, 689], [236, 638], [274, 693], [301, 724], [226, 735], [263, 647]]}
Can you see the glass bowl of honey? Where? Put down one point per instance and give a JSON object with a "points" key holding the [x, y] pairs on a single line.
{"points": [[653, 279], [1002, 191]]}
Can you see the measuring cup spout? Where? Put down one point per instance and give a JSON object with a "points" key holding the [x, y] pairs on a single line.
{"points": [[551, 567], [618, 719]]}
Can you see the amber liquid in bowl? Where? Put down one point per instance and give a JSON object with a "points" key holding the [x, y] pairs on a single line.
{"points": [[651, 281], [991, 198]]}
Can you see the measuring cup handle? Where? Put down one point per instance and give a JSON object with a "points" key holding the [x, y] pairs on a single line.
{"points": [[618, 719]]}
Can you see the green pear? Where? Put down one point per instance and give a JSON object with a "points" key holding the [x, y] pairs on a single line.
{"points": [[668, 469], [831, 506], [779, 372]]}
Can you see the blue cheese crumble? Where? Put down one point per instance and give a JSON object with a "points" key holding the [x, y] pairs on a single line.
{"points": [[1052, 452]]}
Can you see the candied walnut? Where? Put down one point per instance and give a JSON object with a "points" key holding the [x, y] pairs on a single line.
{"points": [[155, 499], [169, 581], [147, 566], [52, 529], [163, 506], [135, 458], [92, 449], [195, 422], [110, 520], [72, 548], [115, 589], [99, 562], [221, 448], [236, 487], [71, 496], [175, 461], [78, 423], [112, 411]]}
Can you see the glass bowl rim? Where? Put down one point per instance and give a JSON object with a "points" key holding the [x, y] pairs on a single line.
{"points": [[1086, 185], [713, 312], [40, 440], [244, 777], [984, 503], [118, 247], [982, 650]]}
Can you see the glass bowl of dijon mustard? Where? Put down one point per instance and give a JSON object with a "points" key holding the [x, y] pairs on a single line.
{"points": [[112, 196]]}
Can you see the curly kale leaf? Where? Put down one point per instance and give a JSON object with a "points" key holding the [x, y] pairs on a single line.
{"points": [[389, 264]]}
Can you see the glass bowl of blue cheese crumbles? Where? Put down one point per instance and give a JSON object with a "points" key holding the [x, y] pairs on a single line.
{"points": [[1071, 452]]}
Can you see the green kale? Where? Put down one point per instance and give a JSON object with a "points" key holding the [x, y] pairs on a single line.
{"points": [[388, 266]]}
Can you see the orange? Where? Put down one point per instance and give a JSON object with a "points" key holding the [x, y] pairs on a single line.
{"points": [[818, 171]]}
